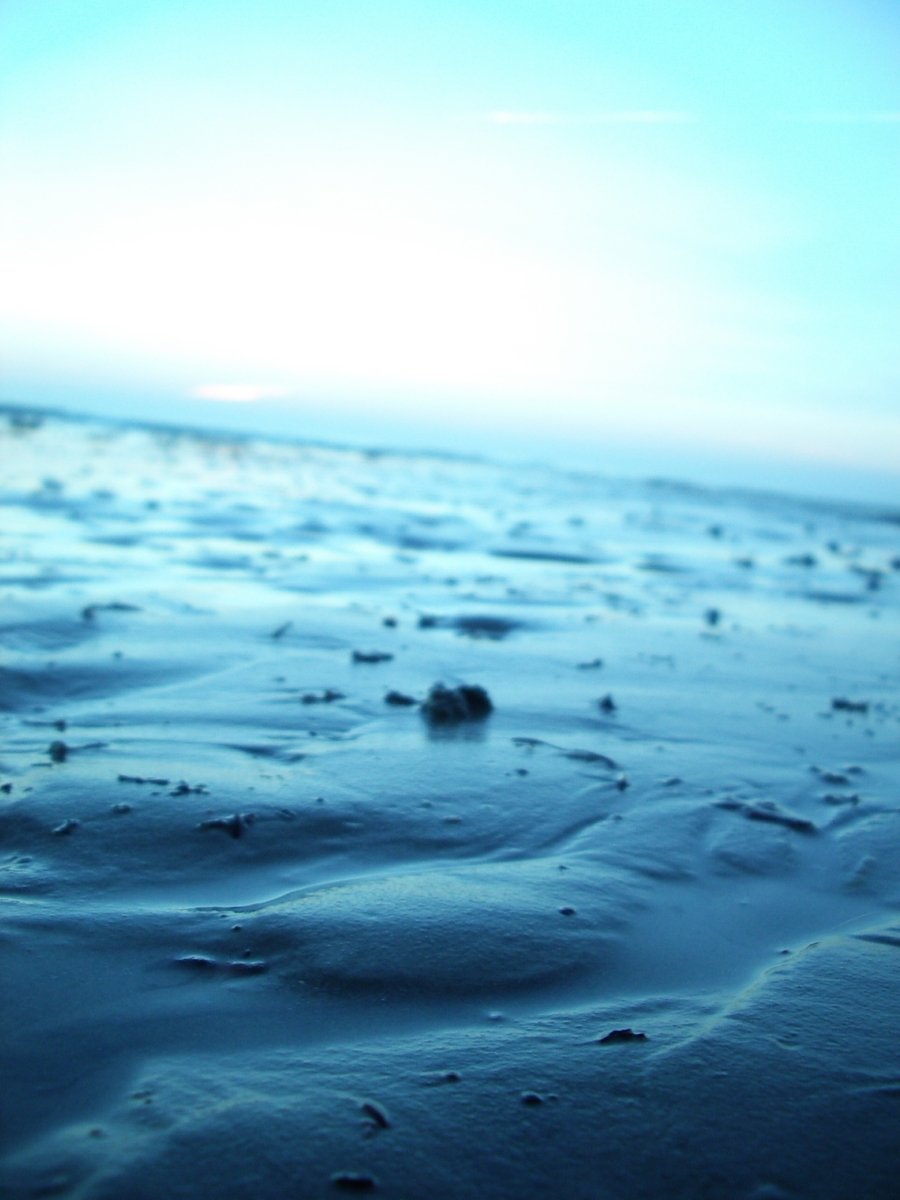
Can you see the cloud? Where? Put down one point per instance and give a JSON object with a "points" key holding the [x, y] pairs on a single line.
{"points": [[886, 117], [237, 393], [637, 116]]}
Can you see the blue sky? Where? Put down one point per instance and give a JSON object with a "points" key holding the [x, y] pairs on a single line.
{"points": [[668, 223]]}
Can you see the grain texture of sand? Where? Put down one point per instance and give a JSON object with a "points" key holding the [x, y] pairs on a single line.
{"points": [[280, 920]]}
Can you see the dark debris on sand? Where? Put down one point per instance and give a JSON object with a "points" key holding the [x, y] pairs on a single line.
{"points": [[58, 752], [621, 1035], [371, 656], [234, 825], [767, 811], [354, 1181], [451, 706], [327, 697], [475, 625]]}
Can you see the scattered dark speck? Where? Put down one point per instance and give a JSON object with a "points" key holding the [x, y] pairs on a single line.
{"points": [[622, 1035], [390, 622], [66, 827], [712, 617], [842, 704], [593, 664], [233, 826], [490, 627], [119, 809], [834, 778], [354, 1181], [399, 699], [88, 613], [371, 656], [6, 788], [606, 704], [567, 910], [281, 630], [531, 1098], [143, 779], [327, 697], [801, 560], [186, 789], [450, 706], [58, 752]]}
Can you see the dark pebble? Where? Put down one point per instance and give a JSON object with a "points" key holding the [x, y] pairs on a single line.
{"points": [[841, 704], [373, 656], [399, 699], [58, 752], [606, 704], [450, 706], [622, 1035], [567, 910], [531, 1098]]}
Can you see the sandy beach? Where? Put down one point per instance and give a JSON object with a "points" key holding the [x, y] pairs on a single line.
{"points": [[280, 920]]}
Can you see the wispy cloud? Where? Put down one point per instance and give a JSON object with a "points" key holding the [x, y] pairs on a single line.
{"points": [[637, 116], [886, 117], [237, 393]]}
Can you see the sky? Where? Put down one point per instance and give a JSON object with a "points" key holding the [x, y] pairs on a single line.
{"points": [[660, 228]]}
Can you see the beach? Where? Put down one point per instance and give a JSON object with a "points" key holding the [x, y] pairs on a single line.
{"points": [[615, 914]]}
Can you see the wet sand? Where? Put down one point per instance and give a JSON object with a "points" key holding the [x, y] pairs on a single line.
{"points": [[281, 920]]}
